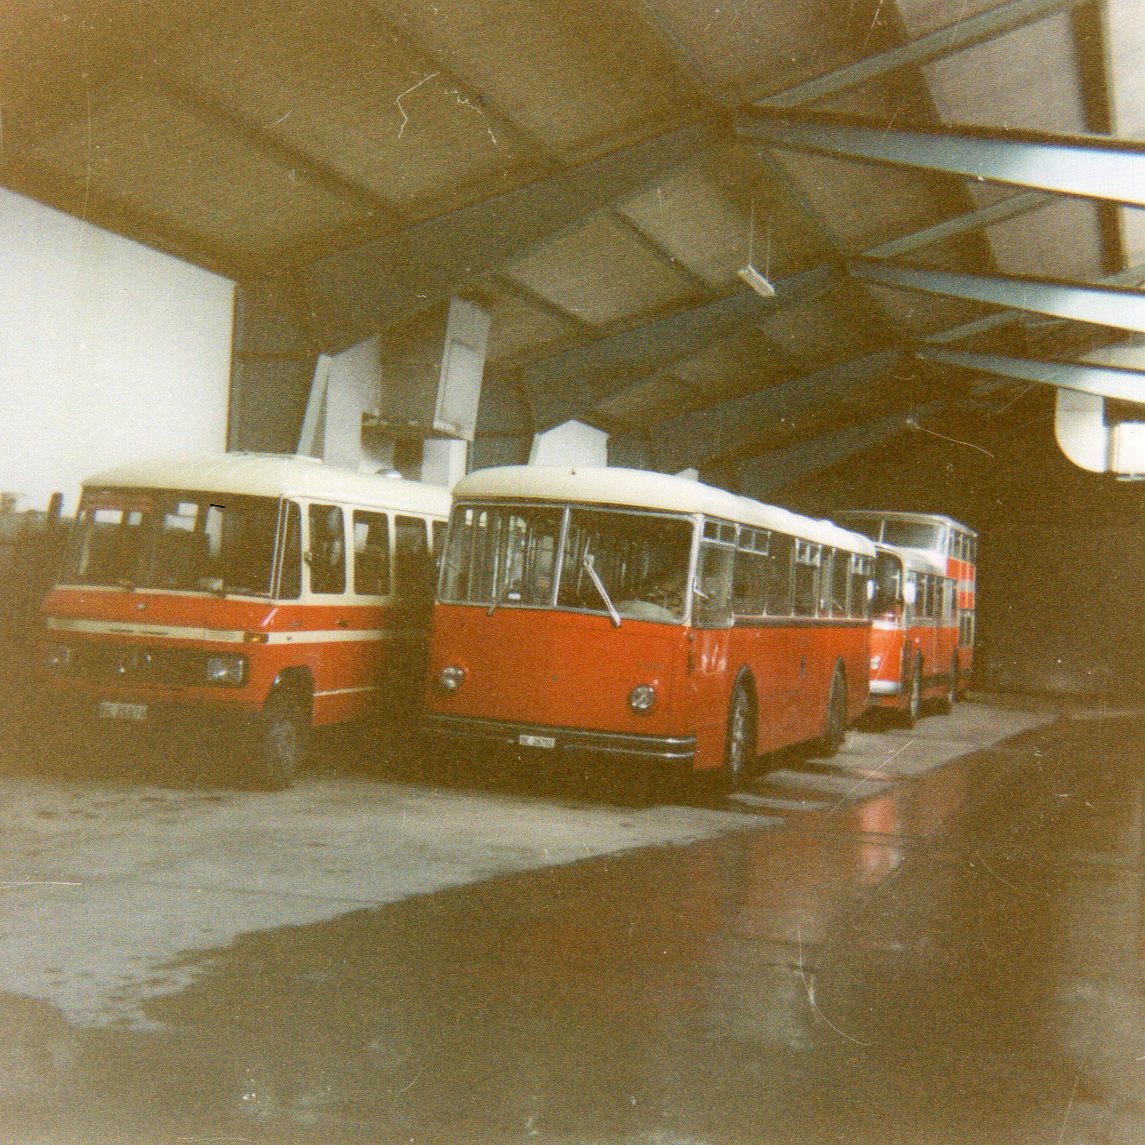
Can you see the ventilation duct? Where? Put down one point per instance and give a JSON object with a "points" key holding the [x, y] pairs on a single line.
{"points": [[1088, 440]]}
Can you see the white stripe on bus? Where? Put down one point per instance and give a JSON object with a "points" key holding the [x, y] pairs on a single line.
{"points": [[219, 635]]}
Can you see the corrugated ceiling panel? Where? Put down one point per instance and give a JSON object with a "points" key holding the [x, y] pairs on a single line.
{"points": [[749, 49], [519, 327], [324, 78], [922, 16], [166, 162], [1126, 22], [1027, 79], [842, 193], [747, 362], [1061, 240], [707, 227], [601, 273], [826, 329], [581, 76], [644, 403]]}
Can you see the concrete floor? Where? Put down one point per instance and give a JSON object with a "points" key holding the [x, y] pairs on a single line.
{"points": [[934, 937]]}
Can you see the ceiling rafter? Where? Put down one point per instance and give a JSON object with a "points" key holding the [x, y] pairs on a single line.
{"points": [[569, 384], [1104, 305], [1088, 167], [1118, 382], [684, 272]]}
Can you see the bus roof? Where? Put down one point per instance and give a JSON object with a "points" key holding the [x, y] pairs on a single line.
{"points": [[275, 475], [917, 560], [642, 489], [898, 515]]}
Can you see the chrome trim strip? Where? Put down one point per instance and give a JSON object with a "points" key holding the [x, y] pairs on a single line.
{"points": [[670, 748]]}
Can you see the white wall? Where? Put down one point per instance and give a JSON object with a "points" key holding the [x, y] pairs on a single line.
{"points": [[109, 352]]}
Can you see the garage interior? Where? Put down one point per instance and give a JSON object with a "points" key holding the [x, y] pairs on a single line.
{"points": [[831, 255]]}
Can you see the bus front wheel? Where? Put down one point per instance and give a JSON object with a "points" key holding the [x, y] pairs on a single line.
{"points": [[740, 739], [281, 737]]}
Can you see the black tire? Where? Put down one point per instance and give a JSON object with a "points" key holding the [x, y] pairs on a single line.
{"points": [[739, 738], [946, 704], [835, 733], [913, 709], [281, 737]]}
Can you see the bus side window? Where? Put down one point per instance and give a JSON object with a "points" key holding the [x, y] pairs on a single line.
{"points": [[807, 560], [749, 593], [290, 560], [371, 553], [413, 563], [327, 553], [860, 586], [779, 575], [840, 582]]}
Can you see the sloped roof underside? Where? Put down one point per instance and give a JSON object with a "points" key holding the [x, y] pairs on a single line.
{"points": [[908, 176]]}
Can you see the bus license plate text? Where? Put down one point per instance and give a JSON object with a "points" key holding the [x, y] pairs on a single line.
{"points": [[537, 741], [114, 710]]}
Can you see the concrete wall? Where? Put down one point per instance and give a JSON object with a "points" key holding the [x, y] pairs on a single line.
{"points": [[111, 351]]}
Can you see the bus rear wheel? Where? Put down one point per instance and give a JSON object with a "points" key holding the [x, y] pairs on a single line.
{"points": [[836, 730], [946, 704], [913, 708], [740, 738], [281, 737]]}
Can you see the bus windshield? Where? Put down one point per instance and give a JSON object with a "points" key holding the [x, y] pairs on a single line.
{"points": [[912, 534], [623, 563], [176, 540]]}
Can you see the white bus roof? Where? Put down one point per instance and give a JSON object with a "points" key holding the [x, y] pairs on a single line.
{"points": [[917, 560], [898, 515], [275, 475], [641, 489]]}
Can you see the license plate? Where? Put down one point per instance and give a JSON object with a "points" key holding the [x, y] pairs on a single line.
{"points": [[537, 741], [113, 710]]}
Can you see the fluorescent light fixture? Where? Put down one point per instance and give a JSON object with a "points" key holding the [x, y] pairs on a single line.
{"points": [[757, 281]]}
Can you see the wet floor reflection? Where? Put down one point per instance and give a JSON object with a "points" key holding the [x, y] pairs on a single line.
{"points": [[957, 960]]}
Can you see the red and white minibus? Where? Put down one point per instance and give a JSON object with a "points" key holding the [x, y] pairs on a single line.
{"points": [[258, 594], [954, 543], [914, 632], [646, 616]]}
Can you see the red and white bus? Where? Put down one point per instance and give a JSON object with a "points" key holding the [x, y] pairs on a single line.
{"points": [[257, 595], [914, 632], [954, 543], [640, 615]]}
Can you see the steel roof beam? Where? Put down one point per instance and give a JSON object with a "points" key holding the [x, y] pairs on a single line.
{"points": [[693, 438], [935, 45], [1120, 307], [569, 384], [1106, 381], [1087, 166], [760, 477]]}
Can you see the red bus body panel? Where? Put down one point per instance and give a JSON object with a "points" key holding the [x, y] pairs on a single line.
{"points": [[574, 670], [350, 650]]}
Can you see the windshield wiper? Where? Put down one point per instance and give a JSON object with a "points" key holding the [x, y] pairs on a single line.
{"points": [[594, 576]]}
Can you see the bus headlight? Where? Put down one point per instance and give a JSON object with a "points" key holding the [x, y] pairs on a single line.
{"points": [[226, 671], [56, 657], [450, 678], [642, 698]]}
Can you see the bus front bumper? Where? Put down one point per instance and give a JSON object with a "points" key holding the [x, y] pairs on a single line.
{"points": [[679, 750]]}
